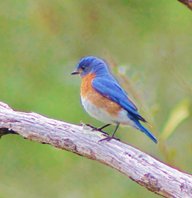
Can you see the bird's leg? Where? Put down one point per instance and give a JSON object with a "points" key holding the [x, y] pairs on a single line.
{"points": [[89, 125], [111, 137], [117, 126], [100, 128]]}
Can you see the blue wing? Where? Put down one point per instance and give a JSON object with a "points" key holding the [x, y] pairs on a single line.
{"points": [[110, 88]]}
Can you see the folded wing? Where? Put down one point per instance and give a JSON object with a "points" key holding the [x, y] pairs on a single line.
{"points": [[109, 88]]}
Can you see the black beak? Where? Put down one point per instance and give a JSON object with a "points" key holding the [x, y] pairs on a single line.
{"points": [[75, 73]]}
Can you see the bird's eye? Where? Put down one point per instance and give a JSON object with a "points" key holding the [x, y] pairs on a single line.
{"points": [[83, 67]]}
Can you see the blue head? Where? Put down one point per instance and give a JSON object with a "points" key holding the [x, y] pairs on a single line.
{"points": [[91, 64]]}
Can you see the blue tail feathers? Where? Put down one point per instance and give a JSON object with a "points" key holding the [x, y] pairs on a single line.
{"points": [[139, 126]]}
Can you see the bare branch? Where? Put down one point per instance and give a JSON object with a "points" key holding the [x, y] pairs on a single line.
{"points": [[188, 3], [138, 166]]}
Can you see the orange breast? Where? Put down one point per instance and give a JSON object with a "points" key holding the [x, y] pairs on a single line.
{"points": [[89, 93]]}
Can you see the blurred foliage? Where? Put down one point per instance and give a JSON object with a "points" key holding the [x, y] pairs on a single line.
{"points": [[178, 115], [41, 41]]}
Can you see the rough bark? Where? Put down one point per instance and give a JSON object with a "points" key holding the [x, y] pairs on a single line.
{"points": [[82, 140], [188, 3]]}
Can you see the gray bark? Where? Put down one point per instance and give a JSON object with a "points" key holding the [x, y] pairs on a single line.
{"points": [[82, 140]]}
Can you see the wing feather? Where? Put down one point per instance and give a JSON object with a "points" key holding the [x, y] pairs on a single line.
{"points": [[110, 88]]}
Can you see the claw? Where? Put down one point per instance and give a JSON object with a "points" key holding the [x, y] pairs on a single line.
{"points": [[108, 139], [94, 128]]}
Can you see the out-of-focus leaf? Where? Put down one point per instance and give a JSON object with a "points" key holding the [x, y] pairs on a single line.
{"points": [[177, 116]]}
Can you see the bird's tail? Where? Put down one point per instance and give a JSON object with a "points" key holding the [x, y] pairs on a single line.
{"points": [[139, 126]]}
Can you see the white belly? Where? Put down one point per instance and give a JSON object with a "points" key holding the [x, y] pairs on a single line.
{"points": [[103, 116]]}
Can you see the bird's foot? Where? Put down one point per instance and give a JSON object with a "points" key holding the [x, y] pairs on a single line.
{"points": [[97, 129], [92, 127], [108, 138]]}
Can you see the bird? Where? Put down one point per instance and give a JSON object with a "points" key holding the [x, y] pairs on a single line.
{"points": [[104, 99]]}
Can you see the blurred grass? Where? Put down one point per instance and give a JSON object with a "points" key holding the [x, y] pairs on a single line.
{"points": [[178, 115], [41, 41]]}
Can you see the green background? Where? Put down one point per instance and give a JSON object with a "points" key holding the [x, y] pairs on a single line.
{"points": [[149, 43]]}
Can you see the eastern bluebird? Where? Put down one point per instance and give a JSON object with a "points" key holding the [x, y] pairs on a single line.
{"points": [[104, 99]]}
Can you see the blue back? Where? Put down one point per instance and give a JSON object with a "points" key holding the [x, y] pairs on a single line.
{"points": [[109, 87]]}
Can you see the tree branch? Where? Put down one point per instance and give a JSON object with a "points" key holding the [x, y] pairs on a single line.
{"points": [[188, 3], [138, 166]]}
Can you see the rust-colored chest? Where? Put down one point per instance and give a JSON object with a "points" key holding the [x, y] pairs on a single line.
{"points": [[89, 93], [86, 85]]}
